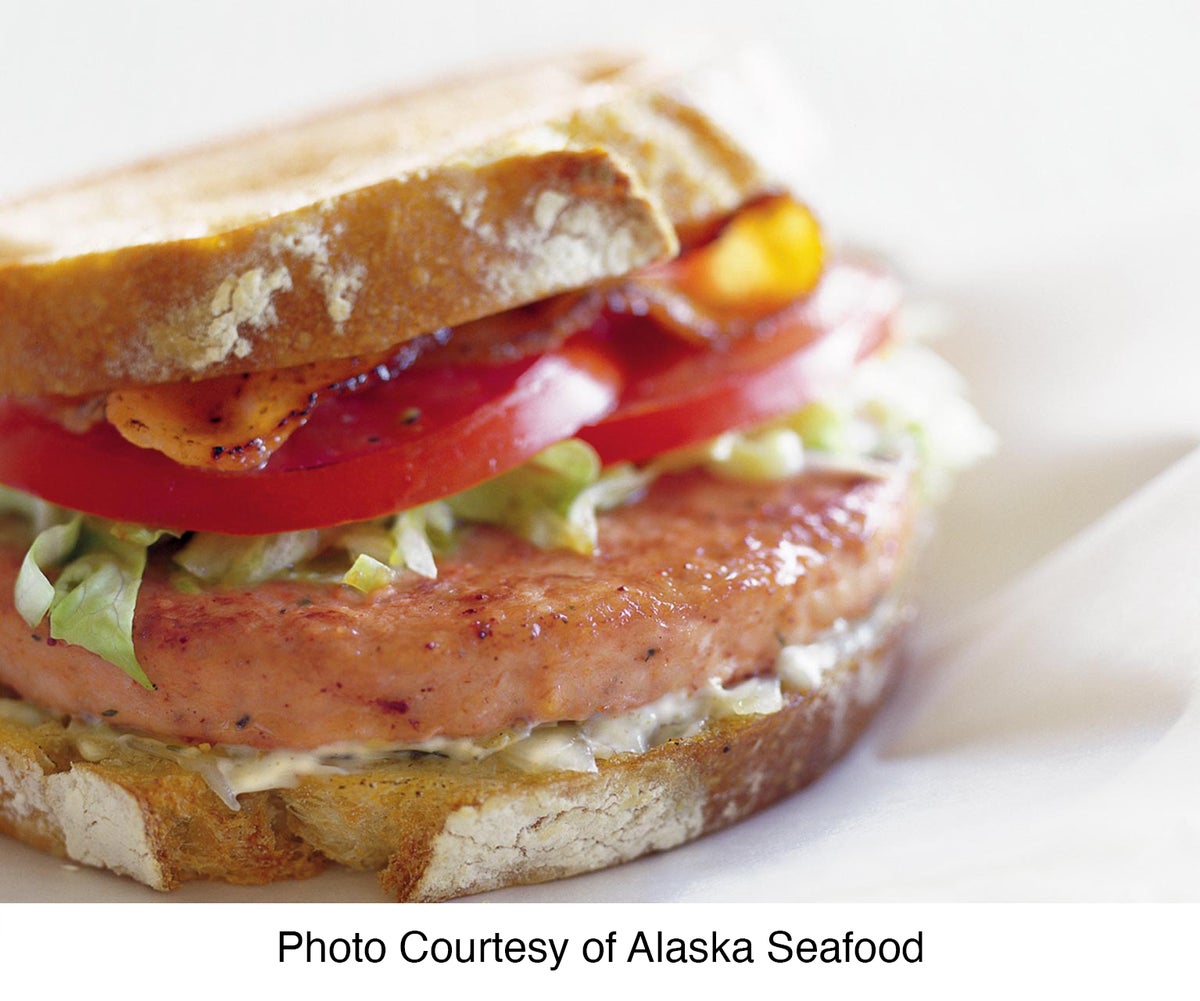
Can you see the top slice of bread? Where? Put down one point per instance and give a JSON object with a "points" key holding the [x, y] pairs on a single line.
{"points": [[365, 227]]}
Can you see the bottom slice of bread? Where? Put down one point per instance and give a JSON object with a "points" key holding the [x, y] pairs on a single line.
{"points": [[433, 828]]}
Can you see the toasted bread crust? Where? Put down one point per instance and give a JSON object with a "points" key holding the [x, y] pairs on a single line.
{"points": [[433, 829], [359, 230]]}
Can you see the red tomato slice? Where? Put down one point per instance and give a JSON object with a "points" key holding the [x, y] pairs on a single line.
{"points": [[625, 386], [678, 395], [419, 436]]}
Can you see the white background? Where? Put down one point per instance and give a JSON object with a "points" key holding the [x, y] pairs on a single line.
{"points": [[1034, 166]]}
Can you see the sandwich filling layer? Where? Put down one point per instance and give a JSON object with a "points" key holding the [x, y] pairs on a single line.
{"points": [[711, 560], [703, 578], [643, 558]]}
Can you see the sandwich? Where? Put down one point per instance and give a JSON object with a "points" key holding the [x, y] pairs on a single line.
{"points": [[485, 484]]}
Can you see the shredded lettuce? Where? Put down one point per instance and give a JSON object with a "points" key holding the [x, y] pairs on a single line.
{"points": [[34, 592], [773, 454], [551, 500], [368, 574], [821, 427], [365, 555], [239, 561], [910, 397], [37, 512], [408, 542], [92, 600], [904, 403], [416, 535]]}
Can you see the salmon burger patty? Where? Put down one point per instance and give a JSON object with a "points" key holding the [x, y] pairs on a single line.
{"points": [[703, 579]]}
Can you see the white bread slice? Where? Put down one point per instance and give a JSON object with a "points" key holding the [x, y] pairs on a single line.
{"points": [[432, 828], [364, 227]]}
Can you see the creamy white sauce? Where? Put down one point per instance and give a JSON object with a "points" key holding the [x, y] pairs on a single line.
{"points": [[22, 713], [233, 770]]}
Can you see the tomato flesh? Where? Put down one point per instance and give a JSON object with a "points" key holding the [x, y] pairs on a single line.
{"points": [[624, 385], [679, 395], [363, 457]]}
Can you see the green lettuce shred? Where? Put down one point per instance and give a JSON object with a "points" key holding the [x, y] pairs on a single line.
{"points": [[35, 594], [240, 561], [418, 534], [551, 500], [368, 574], [408, 542], [92, 600]]}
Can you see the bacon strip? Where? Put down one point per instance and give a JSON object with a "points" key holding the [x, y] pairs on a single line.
{"points": [[233, 422]]}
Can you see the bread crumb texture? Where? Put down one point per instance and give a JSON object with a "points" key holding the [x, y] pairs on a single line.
{"points": [[245, 299], [76, 814], [102, 825], [552, 834]]}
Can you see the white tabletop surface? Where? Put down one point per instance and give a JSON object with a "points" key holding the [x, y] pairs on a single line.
{"points": [[1031, 166]]}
